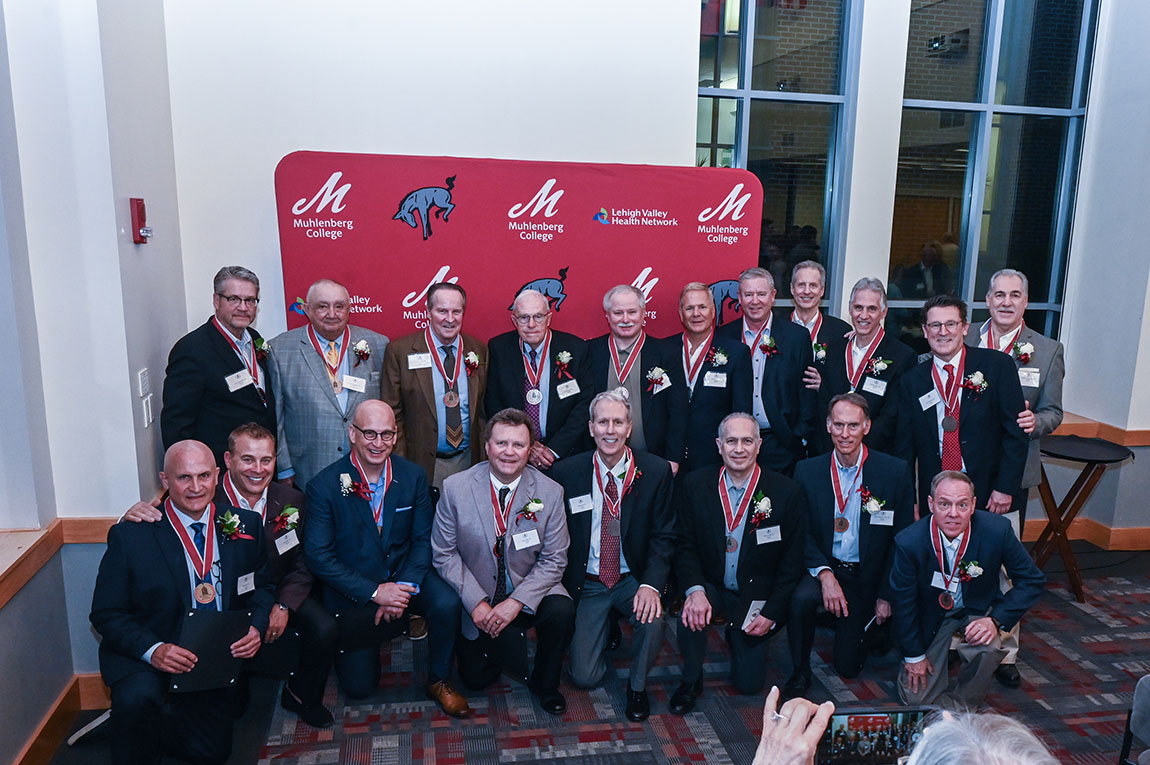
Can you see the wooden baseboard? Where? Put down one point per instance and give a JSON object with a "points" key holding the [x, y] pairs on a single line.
{"points": [[53, 729], [1096, 534], [93, 693]]}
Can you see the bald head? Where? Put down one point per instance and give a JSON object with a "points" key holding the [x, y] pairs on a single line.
{"points": [[372, 435], [371, 410], [190, 475], [328, 308], [181, 452]]}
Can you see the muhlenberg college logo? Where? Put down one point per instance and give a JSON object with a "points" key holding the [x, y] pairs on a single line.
{"points": [[732, 205], [318, 227]]}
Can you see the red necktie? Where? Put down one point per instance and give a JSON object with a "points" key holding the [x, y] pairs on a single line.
{"points": [[951, 449], [608, 542]]}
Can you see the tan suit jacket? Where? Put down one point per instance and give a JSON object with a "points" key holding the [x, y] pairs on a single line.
{"points": [[463, 538], [411, 393]]}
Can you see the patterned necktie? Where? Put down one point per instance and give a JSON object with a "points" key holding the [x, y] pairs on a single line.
{"points": [[501, 555], [198, 539], [951, 449], [532, 410], [332, 356], [608, 542], [453, 423]]}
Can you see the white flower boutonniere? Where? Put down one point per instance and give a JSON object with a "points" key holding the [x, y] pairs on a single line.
{"points": [[717, 357], [975, 382], [345, 484], [362, 352], [471, 361], [656, 378]]}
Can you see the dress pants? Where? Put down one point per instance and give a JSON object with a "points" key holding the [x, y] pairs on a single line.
{"points": [[592, 622], [553, 621], [318, 640], [449, 466], [850, 630], [974, 678], [748, 654], [1010, 639], [357, 663], [148, 721]]}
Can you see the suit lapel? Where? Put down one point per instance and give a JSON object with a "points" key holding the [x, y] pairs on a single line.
{"points": [[318, 369], [387, 513], [228, 573], [481, 496], [173, 554]]}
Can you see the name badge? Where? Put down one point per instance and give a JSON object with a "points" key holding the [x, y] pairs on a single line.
{"points": [[930, 400], [877, 387], [882, 518], [525, 539], [580, 504], [569, 388], [287, 542], [419, 361], [939, 583], [769, 534], [753, 612], [715, 380], [357, 384], [1029, 376], [240, 379], [246, 583]]}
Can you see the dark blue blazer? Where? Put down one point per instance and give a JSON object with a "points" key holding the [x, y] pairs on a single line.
{"points": [[832, 329], [790, 406], [916, 611], [343, 547], [142, 589], [709, 405], [994, 448], [665, 414], [887, 478]]}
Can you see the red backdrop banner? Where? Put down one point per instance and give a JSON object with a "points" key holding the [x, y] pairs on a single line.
{"points": [[390, 226]]}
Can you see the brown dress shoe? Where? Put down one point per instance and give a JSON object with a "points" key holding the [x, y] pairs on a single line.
{"points": [[449, 699]]}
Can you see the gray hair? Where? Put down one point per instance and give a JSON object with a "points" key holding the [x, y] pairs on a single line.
{"points": [[810, 264], [619, 289], [325, 283], [1009, 272], [617, 395], [757, 273], [234, 272], [738, 416], [528, 294], [872, 284], [988, 739], [695, 287]]}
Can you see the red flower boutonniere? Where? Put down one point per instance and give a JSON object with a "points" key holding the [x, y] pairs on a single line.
{"points": [[288, 519], [231, 527], [529, 510], [870, 502], [656, 379], [471, 361], [769, 347], [762, 511], [716, 357], [976, 383], [362, 352], [876, 366], [562, 359], [358, 488], [1023, 352], [969, 569], [263, 347]]}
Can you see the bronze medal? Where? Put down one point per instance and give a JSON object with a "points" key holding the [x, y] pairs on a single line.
{"points": [[534, 397], [613, 527], [949, 424], [336, 385], [732, 544], [946, 600], [205, 593], [842, 524], [451, 398]]}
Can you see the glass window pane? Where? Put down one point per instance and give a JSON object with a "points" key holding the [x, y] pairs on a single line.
{"points": [[1039, 52], [944, 54], [715, 141], [1021, 204], [788, 151], [719, 44], [797, 46]]}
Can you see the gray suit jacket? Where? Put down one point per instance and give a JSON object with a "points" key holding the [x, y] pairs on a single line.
{"points": [[1045, 400], [463, 540], [312, 429]]}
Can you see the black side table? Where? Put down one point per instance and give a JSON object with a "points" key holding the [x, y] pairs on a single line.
{"points": [[1094, 454]]}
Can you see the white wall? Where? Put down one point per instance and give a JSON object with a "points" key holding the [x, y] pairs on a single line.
{"points": [[600, 80]]}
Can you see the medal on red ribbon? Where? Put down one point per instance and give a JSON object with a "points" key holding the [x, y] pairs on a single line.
{"points": [[853, 374], [950, 400], [332, 371], [842, 523], [996, 342], [376, 509], [734, 517], [501, 518], [614, 508], [754, 344], [814, 328], [202, 566], [450, 396], [233, 495], [622, 370], [534, 396], [693, 368], [253, 366], [946, 600]]}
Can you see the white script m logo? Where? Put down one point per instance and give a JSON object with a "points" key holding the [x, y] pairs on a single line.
{"points": [[733, 204], [327, 193], [543, 198]]}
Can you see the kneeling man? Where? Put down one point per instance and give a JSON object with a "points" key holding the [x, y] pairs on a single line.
{"points": [[945, 582]]}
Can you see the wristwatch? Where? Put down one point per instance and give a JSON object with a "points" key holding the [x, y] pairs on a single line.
{"points": [[282, 607]]}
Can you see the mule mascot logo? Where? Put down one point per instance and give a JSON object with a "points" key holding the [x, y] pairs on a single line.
{"points": [[552, 289], [422, 200], [726, 295]]}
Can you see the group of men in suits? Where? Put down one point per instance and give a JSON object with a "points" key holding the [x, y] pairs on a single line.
{"points": [[759, 472]]}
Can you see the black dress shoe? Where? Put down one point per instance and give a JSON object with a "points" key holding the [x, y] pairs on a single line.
{"points": [[615, 636], [553, 702], [315, 715], [1007, 674], [684, 697], [798, 684], [638, 705]]}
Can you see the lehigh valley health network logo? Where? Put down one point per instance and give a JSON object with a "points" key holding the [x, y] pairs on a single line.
{"points": [[422, 201], [601, 217]]}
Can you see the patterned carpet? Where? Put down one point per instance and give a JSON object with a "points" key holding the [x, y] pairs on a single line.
{"points": [[1080, 664]]}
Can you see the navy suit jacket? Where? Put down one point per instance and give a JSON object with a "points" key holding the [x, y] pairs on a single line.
{"points": [[647, 522], [665, 413], [832, 329], [888, 479], [343, 547], [708, 405], [143, 589], [566, 417], [917, 613], [790, 406], [993, 446], [883, 408], [197, 402]]}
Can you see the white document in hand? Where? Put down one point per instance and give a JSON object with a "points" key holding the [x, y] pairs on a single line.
{"points": [[752, 612]]}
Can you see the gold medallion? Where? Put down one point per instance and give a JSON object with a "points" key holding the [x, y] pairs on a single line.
{"points": [[205, 593], [336, 385]]}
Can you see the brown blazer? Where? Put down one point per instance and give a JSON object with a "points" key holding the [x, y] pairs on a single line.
{"points": [[410, 393]]}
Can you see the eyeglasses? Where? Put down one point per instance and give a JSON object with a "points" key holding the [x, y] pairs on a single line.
{"points": [[372, 435], [951, 325], [538, 318], [234, 300]]}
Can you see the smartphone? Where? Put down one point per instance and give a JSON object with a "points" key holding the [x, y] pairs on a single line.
{"points": [[872, 736]]}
